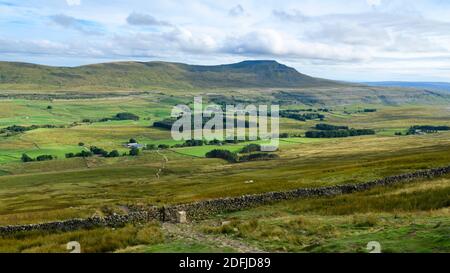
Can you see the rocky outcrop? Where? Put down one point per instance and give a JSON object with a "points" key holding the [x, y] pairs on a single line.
{"points": [[202, 209]]}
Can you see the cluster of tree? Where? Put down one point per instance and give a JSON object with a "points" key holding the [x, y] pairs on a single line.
{"points": [[101, 152], [366, 110], [27, 158], [194, 143], [118, 116], [167, 123], [235, 158], [156, 147], [339, 133], [223, 154], [216, 142], [329, 127], [14, 129], [294, 114], [80, 154], [44, 157], [126, 116], [250, 148], [134, 151], [426, 129], [191, 143], [94, 150]]}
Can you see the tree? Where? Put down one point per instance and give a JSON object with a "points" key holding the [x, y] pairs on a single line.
{"points": [[329, 127], [81, 144], [134, 151], [49, 107], [98, 151], [215, 142], [163, 146], [84, 154], [193, 143], [224, 154], [26, 158], [114, 153], [126, 116], [251, 148], [339, 133], [132, 140], [44, 157]]}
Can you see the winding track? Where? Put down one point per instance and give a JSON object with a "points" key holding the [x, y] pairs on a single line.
{"points": [[163, 164]]}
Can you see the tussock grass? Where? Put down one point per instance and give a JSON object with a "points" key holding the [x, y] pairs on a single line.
{"points": [[415, 221], [95, 240]]}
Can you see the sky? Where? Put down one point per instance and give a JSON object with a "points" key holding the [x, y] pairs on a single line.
{"points": [[351, 40]]}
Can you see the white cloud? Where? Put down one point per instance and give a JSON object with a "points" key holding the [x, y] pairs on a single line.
{"points": [[141, 19], [373, 2], [317, 36], [83, 26], [236, 11], [269, 42], [73, 2]]}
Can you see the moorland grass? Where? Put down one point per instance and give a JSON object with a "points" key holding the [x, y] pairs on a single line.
{"points": [[91, 241], [187, 179], [403, 218]]}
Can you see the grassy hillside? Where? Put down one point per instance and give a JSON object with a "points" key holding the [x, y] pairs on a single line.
{"points": [[244, 82], [148, 75], [402, 218]]}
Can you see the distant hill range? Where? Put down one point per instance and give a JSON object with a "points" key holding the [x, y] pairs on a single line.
{"points": [[151, 75], [433, 86], [233, 83]]}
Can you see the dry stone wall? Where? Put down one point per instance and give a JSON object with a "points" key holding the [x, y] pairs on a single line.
{"points": [[152, 214], [202, 209]]}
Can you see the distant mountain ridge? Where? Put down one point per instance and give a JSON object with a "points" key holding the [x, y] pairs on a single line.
{"points": [[148, 75], [247, 79], [433, 86]]}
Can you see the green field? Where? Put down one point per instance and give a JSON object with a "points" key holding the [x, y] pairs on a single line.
{"points": [[81, 187]]}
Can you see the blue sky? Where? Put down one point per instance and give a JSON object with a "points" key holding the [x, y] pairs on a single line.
{"points": [[356, 40]]}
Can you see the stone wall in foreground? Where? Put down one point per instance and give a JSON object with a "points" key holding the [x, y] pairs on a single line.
{"points": [[202, 209], [152, 214]]}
